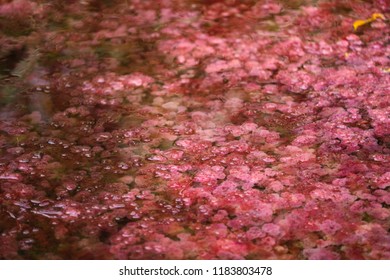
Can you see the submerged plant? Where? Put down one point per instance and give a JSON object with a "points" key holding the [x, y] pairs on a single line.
{"points": [[27, 65]]}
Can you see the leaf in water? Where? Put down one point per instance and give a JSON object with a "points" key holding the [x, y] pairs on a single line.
{"points": [[362, 22], [378, 15]]}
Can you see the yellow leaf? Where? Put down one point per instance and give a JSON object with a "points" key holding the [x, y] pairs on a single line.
{"points": [[378, 15], [361, 22]]}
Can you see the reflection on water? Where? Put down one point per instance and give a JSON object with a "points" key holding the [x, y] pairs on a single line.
{"points": [[24, 88], [17, 100]]}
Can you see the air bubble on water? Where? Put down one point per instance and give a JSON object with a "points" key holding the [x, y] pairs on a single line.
{"points": [[123, 166], [37, 155], [22, 204], [102, 137], [28, 241], [135, 215], [117, 206], [48, 213], [143, 225], [44, 203], [11, 214], [127, 234]]}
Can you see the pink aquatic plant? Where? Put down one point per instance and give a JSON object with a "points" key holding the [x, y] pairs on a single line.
{"points": [[196, 130]]}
